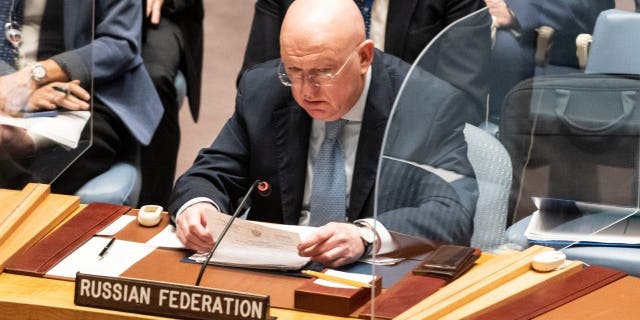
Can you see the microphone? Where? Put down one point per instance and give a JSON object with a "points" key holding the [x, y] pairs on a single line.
{"points": [[264, 190]]}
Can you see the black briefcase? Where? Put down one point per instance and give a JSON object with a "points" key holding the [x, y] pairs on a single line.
{"points": [[573, 136]]}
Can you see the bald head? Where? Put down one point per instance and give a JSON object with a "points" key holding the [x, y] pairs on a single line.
{"points": [[325, 39], [324, 23]]}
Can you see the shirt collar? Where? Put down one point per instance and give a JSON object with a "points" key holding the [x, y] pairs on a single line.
{"points": [[356, 113]]}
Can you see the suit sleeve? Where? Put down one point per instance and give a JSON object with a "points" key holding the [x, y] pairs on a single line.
{"points": [[116, 48], [220, 172], [427, 186]]}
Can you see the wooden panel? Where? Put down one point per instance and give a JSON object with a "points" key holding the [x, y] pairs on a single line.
{"points": [[527, 282], [618, 300], [42, 220], [17, 207], [475, 283], [40, 298]]}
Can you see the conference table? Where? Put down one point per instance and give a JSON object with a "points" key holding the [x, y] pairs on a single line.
{"points": [[29, 297]]}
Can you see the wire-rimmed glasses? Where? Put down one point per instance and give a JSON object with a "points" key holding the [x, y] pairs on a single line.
{"points": [[316, 79]]}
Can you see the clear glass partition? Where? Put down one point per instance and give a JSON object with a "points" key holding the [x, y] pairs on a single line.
{"points": [[40, 136], [505, 113]]}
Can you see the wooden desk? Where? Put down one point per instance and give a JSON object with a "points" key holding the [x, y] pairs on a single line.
{"points": [[23, 297]]}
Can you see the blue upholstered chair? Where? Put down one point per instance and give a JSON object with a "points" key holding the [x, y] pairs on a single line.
{"points": [[615, 50], [122, 182]]}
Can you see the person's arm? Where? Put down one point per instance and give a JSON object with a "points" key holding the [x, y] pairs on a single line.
{"points": [[17, 88], [427, 186], [116, 48]]}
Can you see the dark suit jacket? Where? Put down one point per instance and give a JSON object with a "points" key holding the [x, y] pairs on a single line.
{"points": [[188, 16], [268, 135], [411, 25], [112, 62]]}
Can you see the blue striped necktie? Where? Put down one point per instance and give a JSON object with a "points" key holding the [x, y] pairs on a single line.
{"points": [[329, 187]]}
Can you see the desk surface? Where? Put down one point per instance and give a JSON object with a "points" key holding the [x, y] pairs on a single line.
{"points": [[24, 297], [39, 298]]}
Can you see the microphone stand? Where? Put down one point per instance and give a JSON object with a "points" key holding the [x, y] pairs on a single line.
{"points": [[226, 228]]}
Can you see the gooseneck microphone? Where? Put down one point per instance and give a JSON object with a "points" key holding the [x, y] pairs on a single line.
{"points": [[264, 190]]}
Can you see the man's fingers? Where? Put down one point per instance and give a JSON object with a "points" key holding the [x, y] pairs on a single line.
{"points": [[320, 235], [76, 90], [156, 12]]}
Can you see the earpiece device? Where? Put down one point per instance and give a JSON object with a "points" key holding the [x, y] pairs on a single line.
{"points": [[548, 261], [150, 215]]}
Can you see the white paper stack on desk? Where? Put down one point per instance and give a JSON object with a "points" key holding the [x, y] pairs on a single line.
{"points": [[562, 222]]}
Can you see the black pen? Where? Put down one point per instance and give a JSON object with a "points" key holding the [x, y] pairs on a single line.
{"points": [[106, 249]]}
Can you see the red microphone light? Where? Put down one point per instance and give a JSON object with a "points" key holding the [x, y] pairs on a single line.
{"points": [[264, 189]]}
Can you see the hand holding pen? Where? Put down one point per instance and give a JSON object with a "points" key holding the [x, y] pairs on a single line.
{"points": [[69, 95]]}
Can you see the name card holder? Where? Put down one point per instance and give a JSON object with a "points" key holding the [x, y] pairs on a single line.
{"points": [[340, 302], [167, 299]]}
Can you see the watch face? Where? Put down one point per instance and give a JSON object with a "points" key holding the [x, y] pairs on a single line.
{"points": [[38, 72], [366, 234]]}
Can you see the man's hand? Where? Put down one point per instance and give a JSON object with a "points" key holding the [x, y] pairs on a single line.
{"points": [[191, 227], [333, 244], [154, 10], [15, 90], [69, 95]]}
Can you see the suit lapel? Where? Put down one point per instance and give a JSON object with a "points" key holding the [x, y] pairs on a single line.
{"points": [[376, 113], [398, 19], [292, 126]]}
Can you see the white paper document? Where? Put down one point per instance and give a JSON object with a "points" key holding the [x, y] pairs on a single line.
{"points": [[255, 245], [121, 255], [65, 128], [565, 221], [166, 238], [116, 226]]}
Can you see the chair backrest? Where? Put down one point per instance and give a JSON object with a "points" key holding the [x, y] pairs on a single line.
{"points": [[615, 47], [119, 185], [492, 167]]}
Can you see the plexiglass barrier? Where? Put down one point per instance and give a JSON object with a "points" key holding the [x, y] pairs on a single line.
{"points": [[45, 115], [509, 113]]}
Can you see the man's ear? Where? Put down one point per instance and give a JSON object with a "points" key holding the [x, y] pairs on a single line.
{"points": [[365, 52]]}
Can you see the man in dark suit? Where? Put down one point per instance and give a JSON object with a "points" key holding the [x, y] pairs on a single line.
{"points": [[172, 42], [410, 26], [276, 134]]}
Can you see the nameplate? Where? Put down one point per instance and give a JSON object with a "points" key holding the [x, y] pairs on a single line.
{"points": [[167, 299]]}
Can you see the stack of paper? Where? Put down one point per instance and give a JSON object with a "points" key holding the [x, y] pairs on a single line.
{"points": [[562, 222], [256, 245], [64, 128]]}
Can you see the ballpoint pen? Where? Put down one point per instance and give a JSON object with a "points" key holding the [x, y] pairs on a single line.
{"points": [[337, 279], [106, 249]]}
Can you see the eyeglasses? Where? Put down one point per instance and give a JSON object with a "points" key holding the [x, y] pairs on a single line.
{"points": [[295, 78]]}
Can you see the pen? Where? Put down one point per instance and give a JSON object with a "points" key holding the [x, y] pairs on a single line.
{"points": [[332, 278], [106, 249]]}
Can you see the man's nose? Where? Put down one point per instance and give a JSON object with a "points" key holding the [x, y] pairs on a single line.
{"points": [[308, 88]]}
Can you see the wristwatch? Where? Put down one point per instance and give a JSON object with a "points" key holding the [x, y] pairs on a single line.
{"points": [[38, 73], [368, 236]]}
